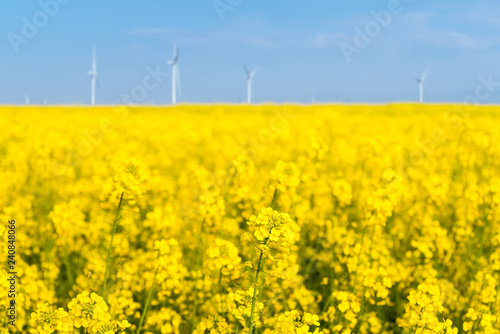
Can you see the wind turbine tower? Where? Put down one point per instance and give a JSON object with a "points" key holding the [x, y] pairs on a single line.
{"points": [[176, 82], [93, 77], [250, 76]]}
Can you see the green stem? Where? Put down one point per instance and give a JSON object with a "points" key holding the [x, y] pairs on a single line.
{"points": [[237, 327], [328, 301], [255, 284], [69, 273], [285, 304], [476, 325], [108, 257], [496, 296], [275, 197], [148, 301]]}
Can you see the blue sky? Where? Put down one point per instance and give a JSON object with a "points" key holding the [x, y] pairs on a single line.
{"points": [[297, 46]]}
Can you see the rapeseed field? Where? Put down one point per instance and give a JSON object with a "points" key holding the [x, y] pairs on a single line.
{"points": [[270, 219]]}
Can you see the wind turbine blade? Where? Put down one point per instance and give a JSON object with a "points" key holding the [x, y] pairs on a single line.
{"points": [[425, 73], [176, 54], [254, 71], [246, 70], [97, 82], [27, 99]]}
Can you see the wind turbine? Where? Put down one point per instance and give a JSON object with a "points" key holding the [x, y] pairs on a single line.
{"points": [[93, 77], [27, 99], [250, 76], [45, 102], [421, 82], [176, 82]]}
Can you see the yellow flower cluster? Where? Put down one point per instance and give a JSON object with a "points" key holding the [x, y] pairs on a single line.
{"points": [[87, 311], [127, 183], [212, 325], [421, 313], [273, 233], [48, 319], [212, 208], [164, 320], [169, 272], [285, 177], [343, 316], [240, 304], [284, 181], [223, 257], [292, 323]]}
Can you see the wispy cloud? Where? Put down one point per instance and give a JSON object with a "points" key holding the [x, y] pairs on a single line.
{"points": [[151, 31], [455, 40], [276, 39], [412, 27], [267, 39], [421, 27], [323, 40], [187, 37], [241, 38], [467, 42]]}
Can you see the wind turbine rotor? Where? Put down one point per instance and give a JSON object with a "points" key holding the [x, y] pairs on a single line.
{"points": [[421, 81], [249, 77]]}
